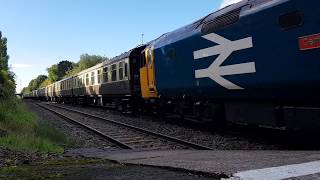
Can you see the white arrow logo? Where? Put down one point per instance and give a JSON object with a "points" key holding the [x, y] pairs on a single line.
{"points": [[224, 49]]}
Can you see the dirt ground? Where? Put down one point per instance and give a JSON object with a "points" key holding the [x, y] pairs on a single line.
{"points": [[79, 168]]}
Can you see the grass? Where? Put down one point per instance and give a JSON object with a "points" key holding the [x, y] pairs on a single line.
{"points": [[25, 131]]}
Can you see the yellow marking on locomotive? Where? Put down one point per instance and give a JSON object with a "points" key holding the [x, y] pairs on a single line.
{"points": [[147, 76]]}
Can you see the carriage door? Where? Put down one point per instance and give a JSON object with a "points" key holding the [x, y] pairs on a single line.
{"points": [[147, 76]]}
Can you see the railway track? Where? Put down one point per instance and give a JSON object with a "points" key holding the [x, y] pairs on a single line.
{"points": [[123, 135]]}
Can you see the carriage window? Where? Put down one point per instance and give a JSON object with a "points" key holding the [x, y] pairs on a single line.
{"points": [[92, 78], [121, 71], [105, 74], [87, 79], [114, 72], [291, 20], [99, 76], [143, 59], [126, 70], [149, 56]]}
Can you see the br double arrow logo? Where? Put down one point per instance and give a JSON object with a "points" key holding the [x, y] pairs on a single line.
{"points": [[224, 49]]}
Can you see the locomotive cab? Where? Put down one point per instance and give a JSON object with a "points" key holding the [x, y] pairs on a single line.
{"points": [[147, 74]]}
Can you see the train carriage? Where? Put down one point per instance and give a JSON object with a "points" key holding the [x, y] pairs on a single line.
{"points": [[41, 94], [66, 88], [114, 82]]}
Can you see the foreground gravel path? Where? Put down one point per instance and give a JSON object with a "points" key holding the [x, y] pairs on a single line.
{"points": [[95, 169], [81, 137], [219, 140]]}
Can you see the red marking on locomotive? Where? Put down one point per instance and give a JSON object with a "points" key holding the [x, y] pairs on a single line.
{"points": [[309, 42]]}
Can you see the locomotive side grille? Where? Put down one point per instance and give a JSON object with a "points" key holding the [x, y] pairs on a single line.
{"points": [[221, 21]]}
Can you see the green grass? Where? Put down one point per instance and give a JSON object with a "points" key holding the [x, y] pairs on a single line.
{"points": [[25, 131]]}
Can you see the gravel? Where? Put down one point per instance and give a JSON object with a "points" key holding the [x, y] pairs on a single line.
{"points": [[15, 158], [225, 140], [128, 136]]}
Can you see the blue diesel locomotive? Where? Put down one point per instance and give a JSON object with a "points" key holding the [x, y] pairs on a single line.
{"points": [[254, 62]]}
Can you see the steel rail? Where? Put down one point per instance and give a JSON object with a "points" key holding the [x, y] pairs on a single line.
{"points": [[118, 143], [173, 139]]}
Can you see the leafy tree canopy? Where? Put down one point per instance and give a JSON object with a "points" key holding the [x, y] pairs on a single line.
{"points": [[35, 83], [86, 61], [63, 69], [7, 81], [58, 71], [4, 57]]}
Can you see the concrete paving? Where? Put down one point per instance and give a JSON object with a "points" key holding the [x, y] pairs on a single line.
{"points": [[214, 162]]}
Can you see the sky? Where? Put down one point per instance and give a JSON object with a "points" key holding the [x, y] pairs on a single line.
{"points": [[43, 32]]}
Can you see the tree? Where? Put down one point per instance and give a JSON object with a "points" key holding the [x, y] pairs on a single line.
{"points": [[45, 83], [53, 73], [58, 71], [7, 82], [35, 83], [40, 79], [63, 68], [25, 90], [86, 61], [3, 53]]}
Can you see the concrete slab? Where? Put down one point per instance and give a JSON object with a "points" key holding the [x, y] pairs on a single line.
{"points": [[214, 162]]}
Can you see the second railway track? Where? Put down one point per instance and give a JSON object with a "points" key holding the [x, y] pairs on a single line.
{"points": [[123, 135]]}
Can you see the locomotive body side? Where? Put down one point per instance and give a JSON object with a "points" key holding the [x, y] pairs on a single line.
{"points": [[244, 61]]}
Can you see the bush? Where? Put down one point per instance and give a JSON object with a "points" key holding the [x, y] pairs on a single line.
{"points": [[7, 85]]}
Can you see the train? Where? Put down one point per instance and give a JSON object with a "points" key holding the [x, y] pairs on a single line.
{"points": [[255, 62]]}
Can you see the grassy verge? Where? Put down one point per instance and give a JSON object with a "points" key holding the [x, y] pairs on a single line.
{"points": [[25, 132]]}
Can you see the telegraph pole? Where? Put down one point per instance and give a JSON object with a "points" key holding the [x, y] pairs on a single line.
{"points": [[142, 35]]}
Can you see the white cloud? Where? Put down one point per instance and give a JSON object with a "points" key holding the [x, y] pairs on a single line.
{"points": [[21, 65], [225, 3]]}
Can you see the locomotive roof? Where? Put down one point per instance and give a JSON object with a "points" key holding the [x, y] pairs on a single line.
{"points": [[123, 55], [195, 27], [192, 28]]}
